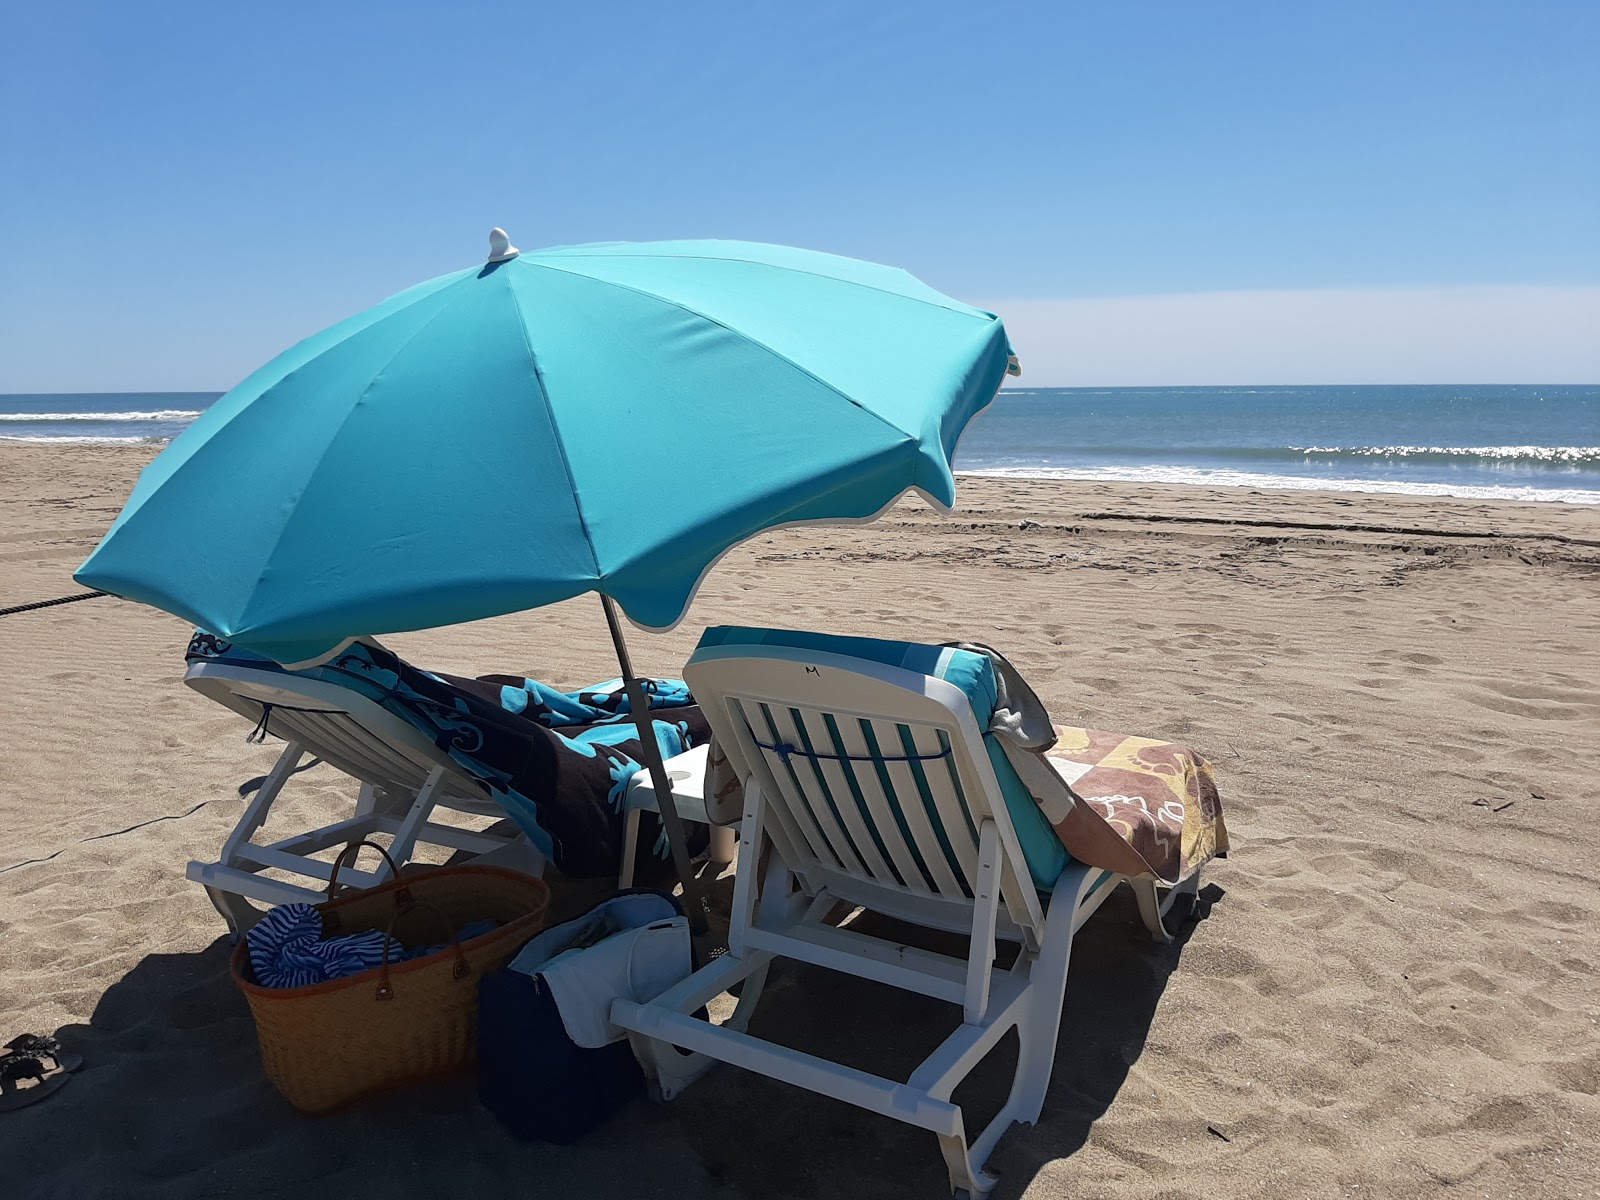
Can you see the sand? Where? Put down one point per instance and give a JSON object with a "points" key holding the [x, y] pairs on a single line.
{"points": [[1394, 991]]}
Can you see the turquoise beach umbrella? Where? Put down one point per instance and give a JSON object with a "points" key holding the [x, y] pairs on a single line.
{"points": [[603, 418], [607, 418]]}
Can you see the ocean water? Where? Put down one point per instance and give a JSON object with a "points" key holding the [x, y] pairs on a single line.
{"points": [[1494, 442], [100, 416], [1499, 442]]}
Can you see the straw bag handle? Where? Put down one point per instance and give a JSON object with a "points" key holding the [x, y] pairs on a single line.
{"points": [[350, 853], [460, 971]]}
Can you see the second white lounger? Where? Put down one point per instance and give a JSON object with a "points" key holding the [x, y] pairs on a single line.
{"points": [[867, 774]]}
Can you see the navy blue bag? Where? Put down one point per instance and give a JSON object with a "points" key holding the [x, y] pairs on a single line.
{"points": [[539, 1082], [533, 1075]]}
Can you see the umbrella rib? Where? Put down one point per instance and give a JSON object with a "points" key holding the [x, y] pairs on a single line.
{"points": [[191, 612], [740, 334], [794, 270], [189, 456], [555, 431], [327, 445]]}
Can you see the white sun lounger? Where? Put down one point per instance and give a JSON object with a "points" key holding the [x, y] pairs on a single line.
{"points": [[403, 777], [911, 823]]}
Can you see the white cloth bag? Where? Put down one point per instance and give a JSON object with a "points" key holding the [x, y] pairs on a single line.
{"points": [[634, 947]]}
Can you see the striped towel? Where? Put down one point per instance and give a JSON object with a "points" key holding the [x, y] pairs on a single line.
{"points": [[287, 949]]}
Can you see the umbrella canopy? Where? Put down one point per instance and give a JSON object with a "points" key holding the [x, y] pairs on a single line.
{"points": [[605, 418]]}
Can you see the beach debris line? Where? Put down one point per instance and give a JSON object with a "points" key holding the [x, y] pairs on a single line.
{"points": [[1480, 802], [6, 612]]}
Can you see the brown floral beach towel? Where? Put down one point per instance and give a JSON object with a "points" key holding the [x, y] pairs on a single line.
{"points": [[1133, 805], [1158, 799]]}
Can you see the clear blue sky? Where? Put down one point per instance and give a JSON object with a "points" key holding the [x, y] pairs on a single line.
{"points": [[191, 187]]}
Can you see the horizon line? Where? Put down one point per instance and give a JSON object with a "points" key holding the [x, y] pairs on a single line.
{"points": [[1004, 388]]}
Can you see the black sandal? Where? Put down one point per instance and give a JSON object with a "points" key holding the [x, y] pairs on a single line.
{"points": [[34, 1045], [24, 1077]]}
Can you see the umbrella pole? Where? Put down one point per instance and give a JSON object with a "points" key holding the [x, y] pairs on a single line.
{"points": [[639, 705]]}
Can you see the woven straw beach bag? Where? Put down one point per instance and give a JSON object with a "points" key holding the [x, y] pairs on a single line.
{"points": [[330, 1044]]}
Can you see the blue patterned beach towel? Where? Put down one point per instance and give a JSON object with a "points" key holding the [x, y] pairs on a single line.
{"points": [[558, 763]]}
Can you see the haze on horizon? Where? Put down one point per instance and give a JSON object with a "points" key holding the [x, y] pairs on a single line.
{"points": [[1165, 194]]}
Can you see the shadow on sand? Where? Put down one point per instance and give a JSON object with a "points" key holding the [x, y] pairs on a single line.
{"points": [[171, 1101]]}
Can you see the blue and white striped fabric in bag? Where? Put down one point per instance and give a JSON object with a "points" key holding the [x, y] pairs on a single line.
{"points": [[287, 951]]}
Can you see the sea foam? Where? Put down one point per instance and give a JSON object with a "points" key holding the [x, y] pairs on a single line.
{"points": [[1202, 477], [165, 414]]}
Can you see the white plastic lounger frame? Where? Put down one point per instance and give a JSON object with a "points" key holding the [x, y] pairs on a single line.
{"points": [[872, 787], [402, 775]]}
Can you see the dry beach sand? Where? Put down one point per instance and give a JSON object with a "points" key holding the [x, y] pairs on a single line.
{"points": [[1396, 991]]}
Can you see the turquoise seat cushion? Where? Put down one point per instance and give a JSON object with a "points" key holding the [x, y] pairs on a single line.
{"points": [[974, 675]]}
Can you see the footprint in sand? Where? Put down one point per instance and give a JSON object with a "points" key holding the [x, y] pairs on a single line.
{"points": [[1523, 691], [1536, 710], [1221, 960], [1477, 981], [1499, 1116], [1582, 1076]]}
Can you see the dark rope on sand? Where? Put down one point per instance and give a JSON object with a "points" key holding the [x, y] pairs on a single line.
{"points": [[97, 837], [6, 612]]}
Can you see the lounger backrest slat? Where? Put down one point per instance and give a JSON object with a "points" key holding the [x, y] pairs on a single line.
{"points": [[788, 830], [336, 738], [797, 803], [882, 804], [800, 783], [315, 732], [396, 761], [880, 741], [327, 736], [829, 769], [932, 762]]}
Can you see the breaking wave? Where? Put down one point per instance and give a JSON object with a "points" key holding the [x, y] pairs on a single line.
{"points": [[1511, 455], [165, 414], [1203, 477], [83, 439]]}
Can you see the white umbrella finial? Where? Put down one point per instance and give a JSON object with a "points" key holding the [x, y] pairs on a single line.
{"points": [[500, 247]]}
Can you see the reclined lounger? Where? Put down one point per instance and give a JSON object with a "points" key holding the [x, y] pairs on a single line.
{"points": [[403, 778]]}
